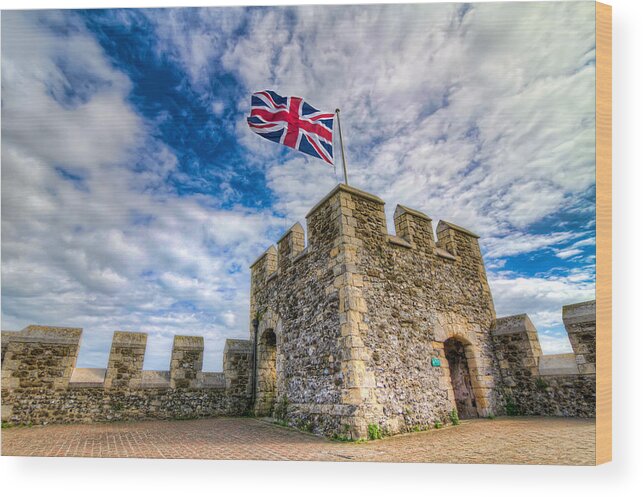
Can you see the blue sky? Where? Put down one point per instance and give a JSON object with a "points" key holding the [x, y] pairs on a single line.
{"points": [[134, 197]]}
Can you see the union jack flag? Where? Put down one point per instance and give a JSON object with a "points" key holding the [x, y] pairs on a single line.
{"points": [[292, 122]]}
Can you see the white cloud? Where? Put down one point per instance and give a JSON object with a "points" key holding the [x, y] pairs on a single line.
{"points": [[523, 243], [194, 38], [95, 244], [48, 95], [542, 297], [567, 253], [230, 318], [299, 183], [574, 249]]}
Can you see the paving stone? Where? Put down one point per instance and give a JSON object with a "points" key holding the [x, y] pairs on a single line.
{"points": [[519, 440]]}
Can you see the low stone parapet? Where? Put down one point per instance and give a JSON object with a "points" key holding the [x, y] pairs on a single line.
{"points": [[548, 384], [40, 384]]}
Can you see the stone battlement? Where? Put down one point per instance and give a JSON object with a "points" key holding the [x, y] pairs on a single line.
{"points": [[334, 215], [555, 384], [125, 363], [38, 367]]}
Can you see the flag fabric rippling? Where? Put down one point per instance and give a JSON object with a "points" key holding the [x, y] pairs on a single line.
{"points": [[292, 122]]}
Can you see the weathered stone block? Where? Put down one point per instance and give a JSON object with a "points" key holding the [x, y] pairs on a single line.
{"points": [[125, 364]]}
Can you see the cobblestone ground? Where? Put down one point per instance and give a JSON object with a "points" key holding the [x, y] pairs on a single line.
{"points": [[501, 441]]}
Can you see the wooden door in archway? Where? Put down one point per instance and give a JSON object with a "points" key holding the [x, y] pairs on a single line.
{"points": [[460, 378], [266, 374]]}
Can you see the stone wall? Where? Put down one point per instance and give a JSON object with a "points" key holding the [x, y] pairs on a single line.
{"points": [[361, 315], [554, 385], [40, 383], [295, 295], [418, 295]]}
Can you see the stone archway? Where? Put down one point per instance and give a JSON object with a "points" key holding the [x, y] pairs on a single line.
{"points": [[460, 372], [266, 373]]}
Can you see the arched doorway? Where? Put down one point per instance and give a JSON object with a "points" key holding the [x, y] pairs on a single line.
{"points": [[465, 399], [266, 373]]}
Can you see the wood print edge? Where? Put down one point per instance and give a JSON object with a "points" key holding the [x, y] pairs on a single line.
{"points": [[603, 233]]}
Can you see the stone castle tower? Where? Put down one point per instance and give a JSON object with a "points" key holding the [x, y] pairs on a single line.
{"points": [[362, 327]]}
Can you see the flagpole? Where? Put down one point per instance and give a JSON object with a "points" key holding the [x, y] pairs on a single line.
{"points": [[341, 143]]}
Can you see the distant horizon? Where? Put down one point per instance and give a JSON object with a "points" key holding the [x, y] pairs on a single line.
{"points": [[134, 196]]}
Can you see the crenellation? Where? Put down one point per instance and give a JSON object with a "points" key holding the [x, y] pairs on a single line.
{"points": [[41, 385], [545, 384], [350, 214], [415, 227], [446, 238], [237, 356], [126, 356], [186, 361], [264, 266], [459, 242], [517, 348], [580, 323], [323, 223], [49, 334], [290, 245], [40, 357]]}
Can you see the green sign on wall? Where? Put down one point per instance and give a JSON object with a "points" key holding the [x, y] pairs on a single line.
{"points": [[435, 362]]}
